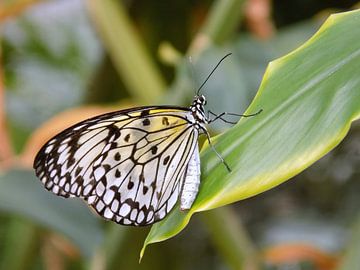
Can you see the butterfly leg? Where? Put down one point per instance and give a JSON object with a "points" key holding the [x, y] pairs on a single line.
{"points": [[216, 152], [220, 116]]}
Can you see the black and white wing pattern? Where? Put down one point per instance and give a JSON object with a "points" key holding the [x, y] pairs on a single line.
{"points": [[129, 166]]}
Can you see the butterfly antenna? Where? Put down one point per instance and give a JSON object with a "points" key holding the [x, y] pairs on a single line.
{"points": [[201, 86]]}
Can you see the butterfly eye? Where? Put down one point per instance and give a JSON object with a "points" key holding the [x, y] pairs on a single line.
{"points": [[203, 100]]}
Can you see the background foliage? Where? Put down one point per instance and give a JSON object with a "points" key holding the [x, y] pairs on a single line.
{"points": [[67, 60]]}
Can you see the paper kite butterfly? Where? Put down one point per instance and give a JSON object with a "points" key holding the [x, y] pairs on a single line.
{"points": [[130, 166]]}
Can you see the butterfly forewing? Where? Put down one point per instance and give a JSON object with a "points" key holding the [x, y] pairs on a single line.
{"points": [[128, 165]]}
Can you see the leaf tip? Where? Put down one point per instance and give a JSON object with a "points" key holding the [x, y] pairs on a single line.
{"points": [[142, 251]]}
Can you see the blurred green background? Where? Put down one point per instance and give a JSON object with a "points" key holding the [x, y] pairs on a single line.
{"points": [[89, 57]]}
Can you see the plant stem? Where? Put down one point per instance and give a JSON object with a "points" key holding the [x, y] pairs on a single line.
{"points": [[126, 49], [221, 23], [230, 238]]}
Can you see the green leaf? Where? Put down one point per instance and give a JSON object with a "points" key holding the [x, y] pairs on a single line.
{"points": [[309, 99], [22, 193]]}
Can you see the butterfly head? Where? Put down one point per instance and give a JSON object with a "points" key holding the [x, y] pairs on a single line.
{"points": [[197, 108], [199, 100]]}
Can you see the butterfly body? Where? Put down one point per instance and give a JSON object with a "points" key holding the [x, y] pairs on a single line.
{"points": [[130, 166], [191, 182]]}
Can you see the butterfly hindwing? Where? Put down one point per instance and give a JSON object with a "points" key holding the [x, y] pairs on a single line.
{"points": [[128, 165]]}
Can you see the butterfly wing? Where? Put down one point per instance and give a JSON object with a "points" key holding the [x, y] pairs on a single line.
{"points": [[127, 165]]}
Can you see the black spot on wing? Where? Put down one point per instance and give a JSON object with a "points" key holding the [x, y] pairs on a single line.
{"points": [[130, 184], [165, 121], [106, 167], [154, 149], [70, 162], [166, 160], [146, 122], [117, 173], [117, 156], [78, 170], [144, 113], [114, 132]]}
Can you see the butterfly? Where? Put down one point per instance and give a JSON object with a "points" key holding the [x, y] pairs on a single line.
{"points": [[130, 166]]}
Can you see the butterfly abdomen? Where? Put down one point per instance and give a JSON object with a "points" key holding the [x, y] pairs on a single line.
{"points": [[191, 182]]}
